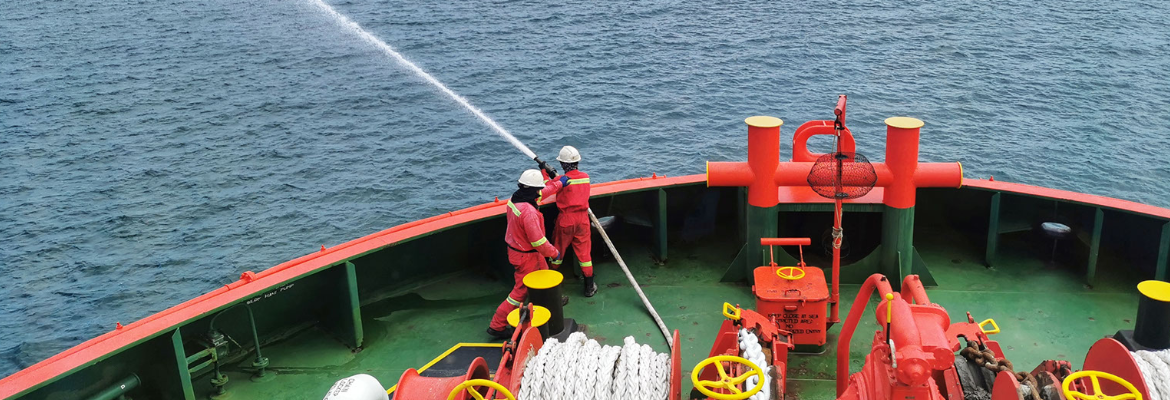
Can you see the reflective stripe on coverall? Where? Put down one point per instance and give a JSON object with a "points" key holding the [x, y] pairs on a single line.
{"points": [[527, 248], [572, 226]]}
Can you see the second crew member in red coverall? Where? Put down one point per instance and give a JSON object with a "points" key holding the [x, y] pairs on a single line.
{"points": [[527, 244], [572, 225]]}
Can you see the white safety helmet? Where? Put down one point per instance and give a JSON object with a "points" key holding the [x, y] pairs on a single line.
{"points": [[532, 178], [357, 387], [569, 154]]}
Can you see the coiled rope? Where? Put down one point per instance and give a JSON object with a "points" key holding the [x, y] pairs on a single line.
{"points": [[750, 348], [582, 369], [1155, 367]]}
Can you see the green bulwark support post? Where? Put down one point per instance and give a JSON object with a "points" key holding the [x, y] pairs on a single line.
{"points": [[1095, 246], [993, 229], [761, 223], [354, 306], [897, 244], [660, 228], [181, 360], [1163, 253]]}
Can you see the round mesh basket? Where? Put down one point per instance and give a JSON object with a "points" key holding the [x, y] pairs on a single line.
{"points": [[842, 175]]}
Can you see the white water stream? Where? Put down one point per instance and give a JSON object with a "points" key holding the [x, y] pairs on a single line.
{"points": [[371, 39]]}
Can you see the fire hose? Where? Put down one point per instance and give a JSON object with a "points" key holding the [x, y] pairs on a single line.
{"points": [[633, 282]]}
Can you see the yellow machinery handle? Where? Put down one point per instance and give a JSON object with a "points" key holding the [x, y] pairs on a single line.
{"points": [[470, 385], [731, 312], [1095, 376], [994, 327], [725, 381], [790, 273]]}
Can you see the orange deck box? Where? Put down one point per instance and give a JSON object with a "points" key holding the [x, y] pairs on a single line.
{"points": [[799, 306]]}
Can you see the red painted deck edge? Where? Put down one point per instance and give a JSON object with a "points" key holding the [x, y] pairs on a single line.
{"points": [[94, 349], [1088, 199]]}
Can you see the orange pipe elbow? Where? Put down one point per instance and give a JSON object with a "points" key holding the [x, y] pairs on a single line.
{"points": [[800, 152]]}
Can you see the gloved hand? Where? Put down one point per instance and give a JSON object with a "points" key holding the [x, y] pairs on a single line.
{"points": [[552, 173], [564, 180], [559, 256]]}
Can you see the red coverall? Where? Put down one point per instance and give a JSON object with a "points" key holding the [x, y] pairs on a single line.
{"points": [[527, 248], [572, 225]]}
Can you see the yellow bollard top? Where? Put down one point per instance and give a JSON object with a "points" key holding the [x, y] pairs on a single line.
{"points": [[761, 121], [543, 279], [904, 122], [540, 316], [1156, 290]]}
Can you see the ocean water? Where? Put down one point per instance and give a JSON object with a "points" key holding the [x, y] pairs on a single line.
{"points": [[151, 151]]}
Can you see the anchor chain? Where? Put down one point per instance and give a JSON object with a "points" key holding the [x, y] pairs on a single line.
{"points": [[986, 359]]}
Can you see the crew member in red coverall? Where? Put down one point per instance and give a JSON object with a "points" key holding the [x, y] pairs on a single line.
{"points": [[527, 244], [572, 225]]}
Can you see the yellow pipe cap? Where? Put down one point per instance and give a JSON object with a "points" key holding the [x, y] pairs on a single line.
{"points": [[904, 122], [761, 121]]}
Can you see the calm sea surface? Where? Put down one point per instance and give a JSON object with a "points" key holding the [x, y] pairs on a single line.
{"points": [[151, 151]]}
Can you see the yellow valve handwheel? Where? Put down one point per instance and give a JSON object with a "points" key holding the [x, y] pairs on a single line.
{"points": [[726, 382], [1070, 394], [731, 312], [790, 273], [470, 385]]}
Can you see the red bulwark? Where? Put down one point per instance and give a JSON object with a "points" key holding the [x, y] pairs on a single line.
{"points": [[1087, 199], [107, 344]]}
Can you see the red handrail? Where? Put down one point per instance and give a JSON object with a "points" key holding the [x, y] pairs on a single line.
{"points": [[785, 241]]}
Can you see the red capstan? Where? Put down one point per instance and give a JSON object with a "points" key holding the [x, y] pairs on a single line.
{"points": [[901, 174], [914, 348]]}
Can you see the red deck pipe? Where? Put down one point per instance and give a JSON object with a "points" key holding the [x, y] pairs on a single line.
{"points": [[939, 175], [902, 160], [875, 281], [785, 241], [914, 291], [757, 172], [800, 152]]}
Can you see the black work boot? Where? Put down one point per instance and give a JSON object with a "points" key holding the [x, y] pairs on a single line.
{"points": [[590, 287], [501, 334]]}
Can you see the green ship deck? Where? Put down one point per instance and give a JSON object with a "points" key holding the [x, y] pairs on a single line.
{"points": [[399, 298], [1059, 321]]}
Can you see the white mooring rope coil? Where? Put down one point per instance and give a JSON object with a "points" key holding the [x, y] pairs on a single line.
{"points": [[750, 349], [1155, 367], [582, 369]]}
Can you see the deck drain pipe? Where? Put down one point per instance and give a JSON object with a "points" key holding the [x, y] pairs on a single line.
{"points": [[119, 389]]}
